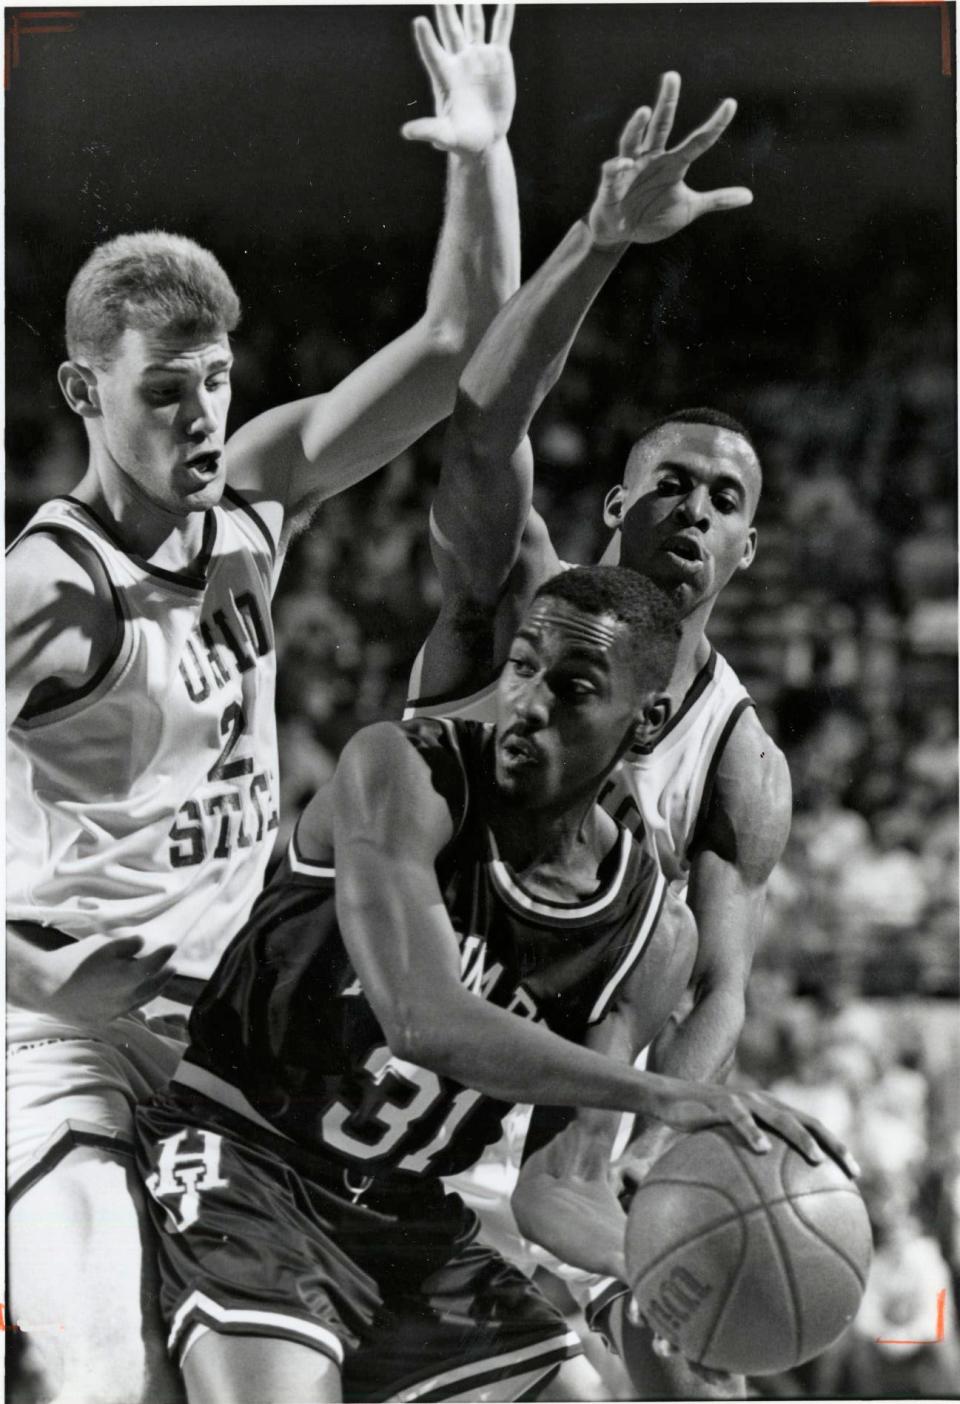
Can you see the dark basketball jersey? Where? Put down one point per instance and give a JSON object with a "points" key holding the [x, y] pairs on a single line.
{"points": [[285, 1024]]}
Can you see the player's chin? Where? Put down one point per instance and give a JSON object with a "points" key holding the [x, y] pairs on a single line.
{"points": [[686, 592], [201, 499], [687, 583], [522, 785]]}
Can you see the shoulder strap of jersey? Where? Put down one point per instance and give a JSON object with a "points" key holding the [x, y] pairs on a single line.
{"points": [[237, 502], [649, 876], [447, 747], [56, 525]]}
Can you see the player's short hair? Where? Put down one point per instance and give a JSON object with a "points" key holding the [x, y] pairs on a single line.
{"points": [[148, 281], [701, 414], [650, 614]]}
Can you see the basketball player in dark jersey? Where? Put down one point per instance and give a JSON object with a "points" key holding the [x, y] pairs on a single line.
{"points": [[713, 791], [492, 935]]}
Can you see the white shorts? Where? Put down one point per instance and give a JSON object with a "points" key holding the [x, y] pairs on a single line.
{"points": [[68, 1091]]}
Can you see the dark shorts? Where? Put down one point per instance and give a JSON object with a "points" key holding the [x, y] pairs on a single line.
{"points": [[391, 1285]]}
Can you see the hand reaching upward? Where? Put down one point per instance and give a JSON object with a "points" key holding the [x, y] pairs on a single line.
{"points": [[472, 81], [643, 195]]}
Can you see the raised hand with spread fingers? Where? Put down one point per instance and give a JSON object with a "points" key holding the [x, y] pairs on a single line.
{"points": [[471, 77], [643, 195]]}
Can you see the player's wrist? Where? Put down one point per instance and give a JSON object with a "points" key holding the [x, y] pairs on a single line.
{"points": [[601, 244], [470, 158]]}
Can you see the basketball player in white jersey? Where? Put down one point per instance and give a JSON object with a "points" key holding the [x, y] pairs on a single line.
{"points": [[142, 771], [713, 791]]}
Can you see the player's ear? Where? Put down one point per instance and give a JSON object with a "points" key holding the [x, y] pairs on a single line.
{"points": [[613, 507], [749, 550], [654, 715], [79, 385]]}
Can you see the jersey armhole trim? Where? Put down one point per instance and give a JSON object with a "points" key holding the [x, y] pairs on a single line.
{"points": [[239, 501], [709, 781], [693, 694], [627, 965], [69, 696], [307, 867], [458, 820]]}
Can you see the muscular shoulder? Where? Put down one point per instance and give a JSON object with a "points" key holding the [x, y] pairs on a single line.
{"points": [[748, 816], [397, 783], [61, 616]]}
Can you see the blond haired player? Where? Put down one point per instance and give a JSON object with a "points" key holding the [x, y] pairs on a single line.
{"points": [[142, 763]]}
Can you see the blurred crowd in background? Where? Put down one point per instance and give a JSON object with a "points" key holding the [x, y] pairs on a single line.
{"points": [[845, 630]]}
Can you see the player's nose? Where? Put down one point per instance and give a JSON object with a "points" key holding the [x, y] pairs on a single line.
{"points": [[201, 416], [694, 507], [533, 703]]}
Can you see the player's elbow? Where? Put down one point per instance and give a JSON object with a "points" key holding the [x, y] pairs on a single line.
{"points": [[482, 437], [446, 337], [416, 1033]]}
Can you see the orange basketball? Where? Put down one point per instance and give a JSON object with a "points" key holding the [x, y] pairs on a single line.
{"points": [[745, 1262]]}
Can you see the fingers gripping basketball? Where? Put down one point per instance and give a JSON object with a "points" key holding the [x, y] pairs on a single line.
{"points": [[749, 1263]]}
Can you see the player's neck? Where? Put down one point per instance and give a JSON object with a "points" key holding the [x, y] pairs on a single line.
{"points": [[692, 654], [555, 855], [145, 529]]}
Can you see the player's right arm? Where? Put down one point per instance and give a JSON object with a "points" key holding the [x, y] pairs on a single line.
{"points": [[295, 456], [566, 1198], [484, 555], [60, 627], [390, 826]]}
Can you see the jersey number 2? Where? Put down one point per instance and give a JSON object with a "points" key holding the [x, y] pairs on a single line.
{"points": [[232, 725]]}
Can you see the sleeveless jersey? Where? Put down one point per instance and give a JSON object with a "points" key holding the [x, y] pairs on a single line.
{"points": [[661, 791], [284, 1034], [145, 801]]}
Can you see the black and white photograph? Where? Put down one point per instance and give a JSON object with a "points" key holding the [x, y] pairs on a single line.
{"points": [[481, 796]]}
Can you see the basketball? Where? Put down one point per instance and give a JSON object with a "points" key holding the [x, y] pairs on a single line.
{"points": [[745, 1262]]}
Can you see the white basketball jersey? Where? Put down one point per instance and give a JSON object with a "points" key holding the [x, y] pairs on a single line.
{"points": [[663, 791], [670, 782], [146, 801]]}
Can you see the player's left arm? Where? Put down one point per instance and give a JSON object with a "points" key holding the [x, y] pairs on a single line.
{"points": [[292, 458], [743, 835]]}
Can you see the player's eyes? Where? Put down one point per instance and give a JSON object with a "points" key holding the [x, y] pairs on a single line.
{"points": [[578, 688], [669, 487], [218, 382], [521, 666], [726, 505], [163, 394]]}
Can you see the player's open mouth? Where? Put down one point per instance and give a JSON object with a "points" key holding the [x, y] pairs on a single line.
{"points": [[686, 547], [685, 552], [205, 465], [518, 751]]}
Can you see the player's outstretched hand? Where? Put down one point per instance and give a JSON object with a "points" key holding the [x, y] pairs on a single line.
{"points": [[643, 195], [693, 1106], [473, 84], [808, 1135], [106, 976]]}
